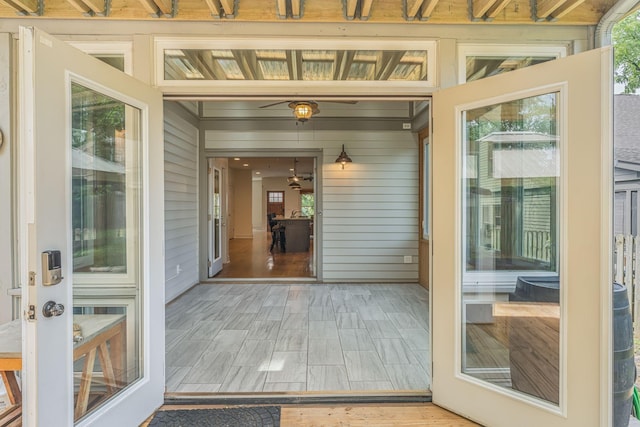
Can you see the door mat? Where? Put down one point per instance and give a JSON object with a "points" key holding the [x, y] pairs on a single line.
{"points": [[250, 416]]}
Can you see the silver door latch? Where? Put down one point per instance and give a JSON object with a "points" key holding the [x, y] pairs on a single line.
{"points": [[52, 309]]}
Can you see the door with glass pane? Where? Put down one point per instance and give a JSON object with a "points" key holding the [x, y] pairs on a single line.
{"points": [[215, 219], [521, 234], [91, 188]]}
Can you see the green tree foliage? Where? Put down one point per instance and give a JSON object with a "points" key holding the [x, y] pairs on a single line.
{"points": [[626, 42]]}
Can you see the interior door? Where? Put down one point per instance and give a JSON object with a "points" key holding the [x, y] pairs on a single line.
{"points": [[215, 219], [522, 190], [91, 225]]}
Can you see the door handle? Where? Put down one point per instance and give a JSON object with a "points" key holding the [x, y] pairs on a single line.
{"points": [[52, 308]]}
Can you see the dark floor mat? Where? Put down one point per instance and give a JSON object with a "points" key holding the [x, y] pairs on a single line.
{"points": [[255, 416]]}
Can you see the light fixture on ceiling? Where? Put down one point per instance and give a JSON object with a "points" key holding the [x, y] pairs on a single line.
{"points": [[303, 110], [294, 185], [343, 158]]}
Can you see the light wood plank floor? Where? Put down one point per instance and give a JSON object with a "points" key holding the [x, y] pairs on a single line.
{"points": [[378, 415], [298, 338], [251, 259]]}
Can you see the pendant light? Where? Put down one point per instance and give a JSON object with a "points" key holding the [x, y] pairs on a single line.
{"points": [[343, 158]]}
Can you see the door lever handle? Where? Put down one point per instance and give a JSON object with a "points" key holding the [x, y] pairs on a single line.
{"points": [[52, 309]]}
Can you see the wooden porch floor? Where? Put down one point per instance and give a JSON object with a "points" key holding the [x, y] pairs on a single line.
{"points": [[370, 415]]}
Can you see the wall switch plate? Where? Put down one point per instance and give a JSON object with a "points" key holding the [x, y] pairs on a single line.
{"points": [[408, 259]]}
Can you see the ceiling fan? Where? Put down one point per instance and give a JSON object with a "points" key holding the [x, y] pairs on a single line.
{"points": [[303, 110]]}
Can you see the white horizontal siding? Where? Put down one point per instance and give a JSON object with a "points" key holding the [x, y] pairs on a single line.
{"points": [[181, 204], [370, 211], [370, 208]]}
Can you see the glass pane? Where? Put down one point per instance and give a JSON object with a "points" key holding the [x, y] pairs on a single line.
{"points": [[479, 67], [106, 212], [311, 65], [510, 304], [217, 213]]}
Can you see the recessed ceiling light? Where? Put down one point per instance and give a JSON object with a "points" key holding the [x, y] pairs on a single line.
{"points": [[291, 169], [246, 164], [258, 173], [236, 158]]}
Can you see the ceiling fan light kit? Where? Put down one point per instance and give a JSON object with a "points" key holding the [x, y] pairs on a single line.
{"points": [[303, 110]]}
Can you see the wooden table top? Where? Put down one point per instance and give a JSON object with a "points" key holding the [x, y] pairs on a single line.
{"points": [[91, 325]]}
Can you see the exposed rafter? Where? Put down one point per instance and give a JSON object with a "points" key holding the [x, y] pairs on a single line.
{"points": [[289, 9], [25, 7], [486, 10], [91, 7], [360, 9], [221, 8], [419, 9], [158, 8], [552, 10], [567, 7]]}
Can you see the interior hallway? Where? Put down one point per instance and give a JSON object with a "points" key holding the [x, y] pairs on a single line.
{"points": [[250, 258], [300, 337]]}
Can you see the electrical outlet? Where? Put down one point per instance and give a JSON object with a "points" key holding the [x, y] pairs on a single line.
{"points": [[408, 259], [406, 126]]}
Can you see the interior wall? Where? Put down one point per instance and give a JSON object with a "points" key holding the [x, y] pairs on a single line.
{"points": [[369, 210], [181, 201], [242, 197], [291, 197], [258, 221]]}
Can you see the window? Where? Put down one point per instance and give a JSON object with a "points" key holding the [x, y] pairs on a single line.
{"points": [[367, 66], [307, 203], [477, 61]]}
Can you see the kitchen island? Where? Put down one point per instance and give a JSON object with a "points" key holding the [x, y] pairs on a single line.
{"points": [[297, 233]]}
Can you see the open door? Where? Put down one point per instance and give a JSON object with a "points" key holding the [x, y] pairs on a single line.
{"points": [[522, 190], [91, 230], [214, 219]]}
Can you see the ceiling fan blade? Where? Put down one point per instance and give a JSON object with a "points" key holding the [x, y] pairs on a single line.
{"points": [[275, 103], [343, 102]]}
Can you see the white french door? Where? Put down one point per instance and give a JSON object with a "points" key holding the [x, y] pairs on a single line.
{"points": [[91, 218], [215, 218], [522, 179]]}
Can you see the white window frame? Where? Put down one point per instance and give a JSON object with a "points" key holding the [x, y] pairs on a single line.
{"points": [[229, 88], [94, 47], [489, 49]]}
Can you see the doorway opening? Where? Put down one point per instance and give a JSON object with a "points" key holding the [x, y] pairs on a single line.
{"points": [[362, 325], [265, 210]]}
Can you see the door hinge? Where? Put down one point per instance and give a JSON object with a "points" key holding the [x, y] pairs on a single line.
{"points": [[209, 263]]}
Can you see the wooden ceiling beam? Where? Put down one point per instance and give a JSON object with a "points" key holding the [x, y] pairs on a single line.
{"points": [[155, 8], [227, 5], [412, 7], [391, 61], [567, 7], [419, 9], [480, 7], [221, 8], [24, 7], [544, 8], [350, 9], [296, 9], [195, 59], [365, 9], [281, 9], [247, 71], [495, 10]]}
